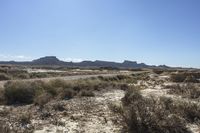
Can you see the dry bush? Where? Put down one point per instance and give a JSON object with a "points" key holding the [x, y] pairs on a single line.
{"points": [[42, 99], [149, 115], [186, 90], [190, 111], [66, 93]]}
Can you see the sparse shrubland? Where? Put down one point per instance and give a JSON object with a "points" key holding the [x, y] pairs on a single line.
{"points": [[39, 92]]}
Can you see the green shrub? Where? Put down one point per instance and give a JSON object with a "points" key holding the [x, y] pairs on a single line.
{"points": [[19, 92]]}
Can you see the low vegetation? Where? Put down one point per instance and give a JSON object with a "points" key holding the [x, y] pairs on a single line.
{"points": [[4, 76], [158, 71], [40, 93], [155, 115], [186, 90], [20, 72], [190, 77]]}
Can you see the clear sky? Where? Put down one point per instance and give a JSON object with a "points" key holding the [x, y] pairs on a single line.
{"points": [[150, 31]]}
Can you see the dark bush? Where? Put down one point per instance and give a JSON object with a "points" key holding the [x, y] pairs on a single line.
{"points": [[59, 107], [178, 77], [19, 92], [158, 71], [67, 93], [87, 93], [192, 77], [4, 77]]}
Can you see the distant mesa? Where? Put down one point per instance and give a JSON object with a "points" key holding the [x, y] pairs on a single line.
{"points": [[54, 61], [48, 60]]}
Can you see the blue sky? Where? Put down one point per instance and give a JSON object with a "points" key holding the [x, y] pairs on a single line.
{"points": [[150, 31]]}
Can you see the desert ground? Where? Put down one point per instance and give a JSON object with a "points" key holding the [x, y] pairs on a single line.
{"points": [[99, 101]]}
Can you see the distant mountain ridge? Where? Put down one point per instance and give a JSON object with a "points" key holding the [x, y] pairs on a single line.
{"points": [[53, 60]]}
